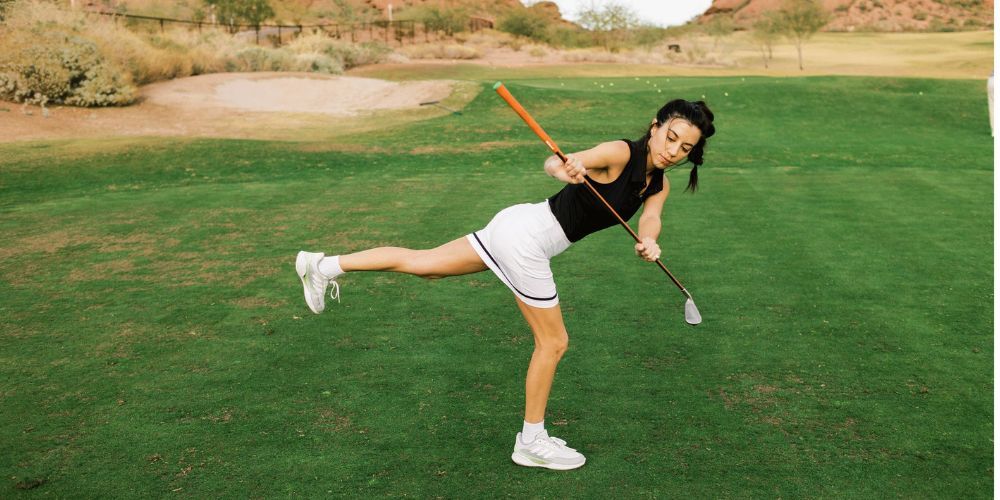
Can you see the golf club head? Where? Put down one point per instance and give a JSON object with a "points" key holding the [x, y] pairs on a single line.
{"points": [[691, 314], [438, 104]]}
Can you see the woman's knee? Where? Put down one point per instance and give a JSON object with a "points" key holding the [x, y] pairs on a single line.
{"points": [[556, 343]]}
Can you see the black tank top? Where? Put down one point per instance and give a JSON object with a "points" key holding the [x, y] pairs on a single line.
{"points": [[580, 213]]}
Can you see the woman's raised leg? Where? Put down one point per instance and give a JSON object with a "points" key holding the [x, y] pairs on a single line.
{"points": [[318, 272], [451, 259]]}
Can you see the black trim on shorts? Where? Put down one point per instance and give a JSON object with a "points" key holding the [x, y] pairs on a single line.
{"points": [[509, 282]]}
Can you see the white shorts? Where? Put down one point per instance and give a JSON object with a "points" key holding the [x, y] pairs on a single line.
{"points": [[517, 245]]}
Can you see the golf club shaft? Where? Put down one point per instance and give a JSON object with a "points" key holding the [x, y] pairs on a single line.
{"points": [[535, 127]]}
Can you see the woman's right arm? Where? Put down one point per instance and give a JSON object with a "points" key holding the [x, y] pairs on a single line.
{"points": [[594, 160]]}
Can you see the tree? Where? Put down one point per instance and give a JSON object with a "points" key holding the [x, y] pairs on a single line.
{"points": [[232, 13], [604, 20], [765, 32], [801, 19]]}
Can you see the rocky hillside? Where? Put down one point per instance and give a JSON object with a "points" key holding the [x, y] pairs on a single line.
{"points": [[872, 15]]}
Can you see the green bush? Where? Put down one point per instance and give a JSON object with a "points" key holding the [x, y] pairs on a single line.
{"points": [[449, 21], [41, 67], [525, 23]]}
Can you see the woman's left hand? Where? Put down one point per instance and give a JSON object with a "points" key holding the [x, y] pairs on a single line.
{"points": [[648, 250]]}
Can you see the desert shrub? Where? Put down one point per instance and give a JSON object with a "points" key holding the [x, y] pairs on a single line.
{"points": [[565, 37], [537, 51], [648, 36], [590, 55], [361, 54], [255, 58], [346, 55], [318, 63], [440, 51], [448, 21], [942, 26], [525, 23], [486, 39], [47, 66]]}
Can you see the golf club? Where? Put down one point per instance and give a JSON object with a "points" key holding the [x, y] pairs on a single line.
{"points": [[691, 314], [438, 104]]}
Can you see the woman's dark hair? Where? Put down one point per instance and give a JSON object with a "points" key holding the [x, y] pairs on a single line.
{"points": [[698, 114]]}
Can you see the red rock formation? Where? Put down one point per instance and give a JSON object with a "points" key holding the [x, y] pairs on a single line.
{"points": [[869, 15]]}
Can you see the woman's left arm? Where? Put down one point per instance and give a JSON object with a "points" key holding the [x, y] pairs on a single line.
{"points": [[649, 224]]}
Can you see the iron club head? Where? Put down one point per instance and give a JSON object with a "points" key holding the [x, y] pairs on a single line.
{"points": [[691, 314]]}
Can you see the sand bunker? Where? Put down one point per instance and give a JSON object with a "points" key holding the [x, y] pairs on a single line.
{"points": [[294, 93], [236, 105]]}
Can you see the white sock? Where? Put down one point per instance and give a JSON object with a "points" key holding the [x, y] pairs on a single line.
{"points": [[530, 431], [330, 266]]}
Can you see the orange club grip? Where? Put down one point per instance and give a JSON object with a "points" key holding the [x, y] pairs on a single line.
{"points": [[523, 113]]}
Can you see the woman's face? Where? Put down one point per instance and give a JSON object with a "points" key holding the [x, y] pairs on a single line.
{"points": [[671, 142]]}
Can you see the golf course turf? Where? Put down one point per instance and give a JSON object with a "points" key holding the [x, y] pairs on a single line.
{"points": [[155, 340]]}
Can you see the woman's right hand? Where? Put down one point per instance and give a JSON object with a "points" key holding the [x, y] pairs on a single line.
{"points": [[571, 172]]}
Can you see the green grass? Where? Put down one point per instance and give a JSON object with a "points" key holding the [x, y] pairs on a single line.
{"points": [[155, 341]]}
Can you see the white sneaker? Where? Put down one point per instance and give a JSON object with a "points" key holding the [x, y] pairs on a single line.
{"points": [[548, 452], [314, 282]]}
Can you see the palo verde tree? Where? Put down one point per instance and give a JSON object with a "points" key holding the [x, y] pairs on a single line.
{"points": [[607, 21], [799, 20], [766, 31], [719, 27]]}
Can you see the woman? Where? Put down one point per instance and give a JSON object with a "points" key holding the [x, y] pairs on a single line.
{"points": [[518, 243]]}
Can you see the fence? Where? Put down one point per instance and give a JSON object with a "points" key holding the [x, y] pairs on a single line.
{"points": [[389, 32]]}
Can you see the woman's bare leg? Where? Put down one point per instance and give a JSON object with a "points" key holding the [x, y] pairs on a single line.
{"points": [[551, 342], [451, 259]]}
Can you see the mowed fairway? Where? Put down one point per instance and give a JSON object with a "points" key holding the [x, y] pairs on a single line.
{"points": [[155, 340]]}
